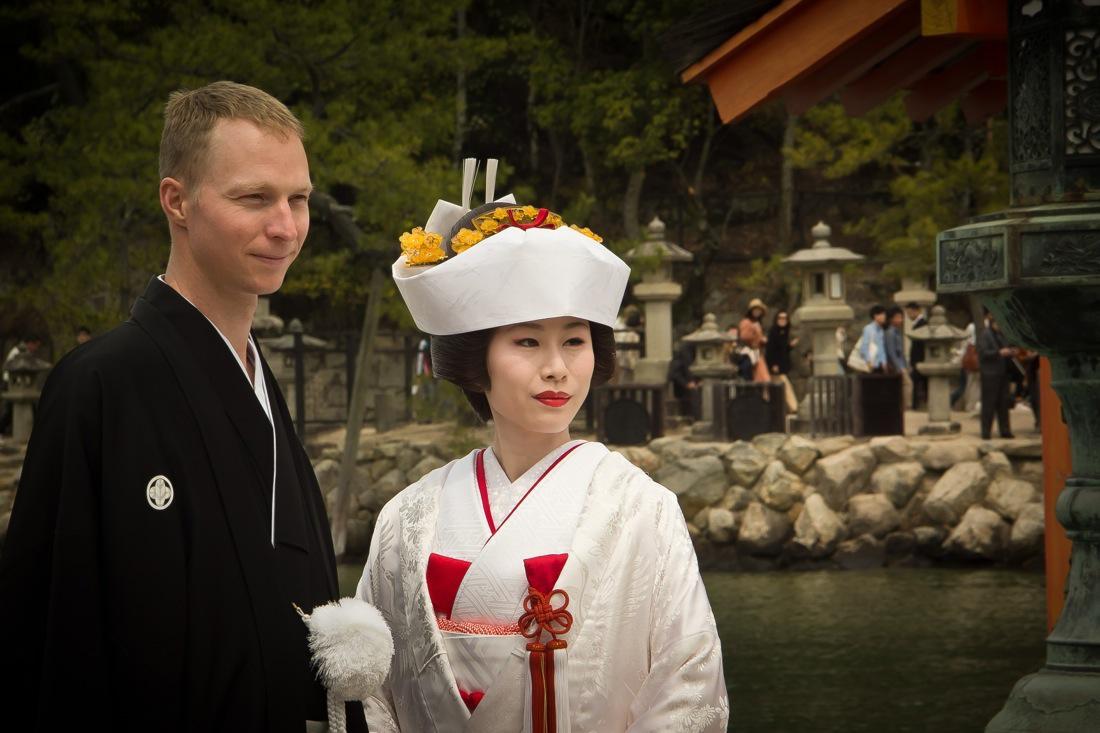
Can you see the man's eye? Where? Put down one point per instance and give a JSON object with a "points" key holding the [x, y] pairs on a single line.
{"points": [[300, 200], [253, 198]]}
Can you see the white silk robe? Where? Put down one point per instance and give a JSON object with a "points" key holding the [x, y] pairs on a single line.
{"points": [[644, 652]]}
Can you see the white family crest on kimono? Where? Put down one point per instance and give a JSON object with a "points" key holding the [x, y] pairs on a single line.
{"points": [[643, 650]]}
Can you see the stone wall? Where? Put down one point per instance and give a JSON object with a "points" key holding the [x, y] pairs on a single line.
{"points": [[777, 502], [787, 501]]}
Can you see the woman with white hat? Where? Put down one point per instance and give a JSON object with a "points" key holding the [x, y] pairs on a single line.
{"points": [[540, 583]]}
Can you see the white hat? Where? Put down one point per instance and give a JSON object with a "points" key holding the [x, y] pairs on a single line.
{"points": [[517, 273]]}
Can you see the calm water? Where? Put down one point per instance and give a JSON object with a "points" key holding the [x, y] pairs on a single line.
{"points": [[898, 651]]}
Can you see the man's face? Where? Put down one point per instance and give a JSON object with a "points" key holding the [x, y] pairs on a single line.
{"points": [[913, 313], [249, 212], [897, 321], [880, 319], [539, 373]]}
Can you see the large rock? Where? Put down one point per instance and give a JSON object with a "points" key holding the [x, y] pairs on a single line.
{"points": [[358, 537], [930, 540], [407, 458], [834, 444], [697, 482], [744, 463], [769, 443], [1008, 497], [872, 514], [328, 474], [381, 466], [957, 490], [721, 526], [641, 457], [778, 487], [1020, 447], [900, 544], [891, 449], [736, 499], [897, 481], [941, 456], [382, 490], [996, 464], [798, 454], [843, 475], [763, 530], [1026, 538], [860, 553], [980, 534], [818, 529], [423, 467]]}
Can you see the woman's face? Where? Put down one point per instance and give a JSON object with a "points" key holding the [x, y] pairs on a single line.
{"points": [[539, 373], [781, 320], [757, 313]]}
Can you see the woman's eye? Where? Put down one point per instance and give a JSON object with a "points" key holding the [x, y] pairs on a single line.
{"points": [[575, 342], [527, 342]]}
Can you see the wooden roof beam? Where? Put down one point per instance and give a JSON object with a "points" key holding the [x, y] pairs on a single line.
{"points": [[782, 46], [889, 36], [933, 93], [900, 71], [971, 18], [985, 100]]}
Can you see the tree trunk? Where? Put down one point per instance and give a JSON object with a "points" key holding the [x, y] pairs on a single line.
{"points": [[357, 406], [460, 87], [632, 200], [786, 188]]}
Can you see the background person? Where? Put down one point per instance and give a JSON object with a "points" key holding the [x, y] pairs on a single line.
{"points": [[751, 339], [895, 352], [872, 342], [777, 354], [995, 357]]}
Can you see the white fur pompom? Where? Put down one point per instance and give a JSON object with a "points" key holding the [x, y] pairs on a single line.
{"points": [[352, 647]]}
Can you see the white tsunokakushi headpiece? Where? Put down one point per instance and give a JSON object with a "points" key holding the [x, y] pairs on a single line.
{"points": [[510, 264]]}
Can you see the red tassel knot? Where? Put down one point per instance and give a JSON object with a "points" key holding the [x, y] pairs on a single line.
{"points": [[540, 615]]}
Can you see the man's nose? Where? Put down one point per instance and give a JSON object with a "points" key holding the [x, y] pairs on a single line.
{"points": [[282, 224]]}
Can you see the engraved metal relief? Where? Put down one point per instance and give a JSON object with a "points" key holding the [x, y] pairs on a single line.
{"points": [[1082, 91], [977, 260], [1065, 254], [1031, 138]]}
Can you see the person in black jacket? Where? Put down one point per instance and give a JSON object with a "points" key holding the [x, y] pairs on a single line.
{"points": [[916, 354], [994, 355], [167, 517]]}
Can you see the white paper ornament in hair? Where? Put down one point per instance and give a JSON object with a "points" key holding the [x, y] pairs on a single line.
{"points": [[352, 647], [515, 276]]}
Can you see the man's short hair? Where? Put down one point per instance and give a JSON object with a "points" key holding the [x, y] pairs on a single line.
{"points": [[876, 309], [190, 115], [912, 305], [892, 312]]}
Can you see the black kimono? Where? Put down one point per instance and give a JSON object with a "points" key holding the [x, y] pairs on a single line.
{"points": [[178, 617]]}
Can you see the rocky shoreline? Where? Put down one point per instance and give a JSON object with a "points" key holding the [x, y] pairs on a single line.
{"points": [[781, 501]]}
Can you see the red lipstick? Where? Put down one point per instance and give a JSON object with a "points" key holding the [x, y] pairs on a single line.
{"points": [[553, 399]]}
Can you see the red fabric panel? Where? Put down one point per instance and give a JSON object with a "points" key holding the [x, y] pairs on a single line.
{"points": [[543, 571], [445, 574], [471, 698]]}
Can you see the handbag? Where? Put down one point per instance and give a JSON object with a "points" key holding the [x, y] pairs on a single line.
{"points": [[970, 359], [856, 362]]}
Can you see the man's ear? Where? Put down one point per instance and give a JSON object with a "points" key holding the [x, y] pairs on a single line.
{"points": [[173, 200]]}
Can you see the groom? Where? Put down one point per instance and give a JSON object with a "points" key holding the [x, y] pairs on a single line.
{"points": [[167, 516]]}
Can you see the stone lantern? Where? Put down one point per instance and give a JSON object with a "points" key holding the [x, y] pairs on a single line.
{"points": [[1036, 266], [266, 324], [657, 291], [940, 338], [710, 366], [23, 370], [824, 308]]}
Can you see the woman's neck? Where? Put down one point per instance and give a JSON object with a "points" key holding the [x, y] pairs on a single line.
{"points": [[517, 449]]}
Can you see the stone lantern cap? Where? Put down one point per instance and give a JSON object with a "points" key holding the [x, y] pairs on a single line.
{"points": [[938, 329], [655, 244], [822, 252], [26, 363], [708, 333], [286, 341]]}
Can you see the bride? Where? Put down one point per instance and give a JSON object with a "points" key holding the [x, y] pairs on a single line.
{"points": [[540, 583]]}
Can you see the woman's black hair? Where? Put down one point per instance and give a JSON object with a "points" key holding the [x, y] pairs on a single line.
{"points": [[461, 358]]}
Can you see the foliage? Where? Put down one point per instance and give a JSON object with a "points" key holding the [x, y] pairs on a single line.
{"points": [[938, 174]]}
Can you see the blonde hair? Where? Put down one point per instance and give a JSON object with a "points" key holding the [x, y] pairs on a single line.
{"points": [[190, 115]]}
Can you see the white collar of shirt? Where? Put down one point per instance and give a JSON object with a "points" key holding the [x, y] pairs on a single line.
{"points": [[259, 389]]}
